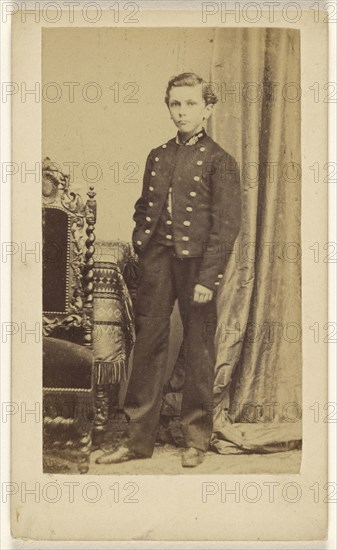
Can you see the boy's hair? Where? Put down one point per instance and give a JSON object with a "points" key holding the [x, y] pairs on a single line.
{"points": [[191, 79]]}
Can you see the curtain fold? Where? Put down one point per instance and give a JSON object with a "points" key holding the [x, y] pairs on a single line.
{"points": [[235, 293]]}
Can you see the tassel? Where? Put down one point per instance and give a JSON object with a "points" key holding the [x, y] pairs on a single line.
{"points": [[110, 372]]}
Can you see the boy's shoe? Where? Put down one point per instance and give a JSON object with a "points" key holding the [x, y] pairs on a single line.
{"points": [[122, 454], [191, 457]]}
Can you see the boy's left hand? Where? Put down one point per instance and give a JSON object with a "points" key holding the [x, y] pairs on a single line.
{"points": [[202, 294]]}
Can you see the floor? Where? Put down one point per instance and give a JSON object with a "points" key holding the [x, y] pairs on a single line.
{"points": [[167, 460]]}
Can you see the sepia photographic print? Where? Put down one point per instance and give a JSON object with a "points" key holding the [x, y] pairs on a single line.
{"points": [[182, 187], [176, 277]]}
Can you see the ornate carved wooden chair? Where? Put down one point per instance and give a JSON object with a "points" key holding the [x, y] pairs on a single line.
{"points": [[68, 358]]}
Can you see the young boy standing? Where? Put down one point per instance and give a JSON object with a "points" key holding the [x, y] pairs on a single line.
{"points": [[187, 219]]}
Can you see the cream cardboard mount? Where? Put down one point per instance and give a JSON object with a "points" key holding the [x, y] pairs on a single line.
{"points": [[122, 506]]}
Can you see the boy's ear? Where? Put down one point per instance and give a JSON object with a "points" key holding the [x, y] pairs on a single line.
{"points": [[208, 110]]}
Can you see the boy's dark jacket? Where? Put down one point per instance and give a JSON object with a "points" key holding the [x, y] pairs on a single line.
{"points": [[206, 205]]}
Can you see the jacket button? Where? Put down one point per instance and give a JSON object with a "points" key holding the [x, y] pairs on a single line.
{"points": [[186, 238], [189, 208], [217, 283], [164, 146], [193, 194], [202, 149], [153, 173], [148, 219], [186, 223], [150, 203], [199, 162], [220, 276], [147, 231], [169, 222], [139, 243], [196, 178], [151, 188], [156, 159], [185, 252], [169, 236]]}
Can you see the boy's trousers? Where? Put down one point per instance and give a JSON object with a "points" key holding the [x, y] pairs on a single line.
{"points": [[163, 278]]}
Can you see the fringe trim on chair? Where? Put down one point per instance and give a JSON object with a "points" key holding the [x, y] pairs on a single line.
{"points": [[110, 372]]}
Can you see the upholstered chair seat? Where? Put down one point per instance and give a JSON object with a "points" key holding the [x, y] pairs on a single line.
{"points": [[65, 364]]}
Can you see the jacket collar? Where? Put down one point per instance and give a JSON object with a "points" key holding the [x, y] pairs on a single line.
{"points": [[193, 139]]}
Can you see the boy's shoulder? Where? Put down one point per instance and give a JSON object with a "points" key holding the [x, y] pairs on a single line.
{"points": [[168, 145], [219, 153]]}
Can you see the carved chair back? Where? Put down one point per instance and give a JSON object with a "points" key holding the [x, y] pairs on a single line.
{"points": [[68, 248]]}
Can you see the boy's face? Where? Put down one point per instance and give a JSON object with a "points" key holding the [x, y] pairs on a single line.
{"points": [[188, 109]]}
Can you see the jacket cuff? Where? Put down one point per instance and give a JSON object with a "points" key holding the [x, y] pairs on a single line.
{"points": [[210, 279]]}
